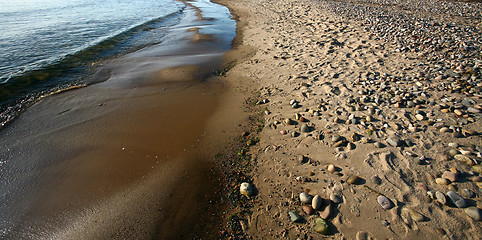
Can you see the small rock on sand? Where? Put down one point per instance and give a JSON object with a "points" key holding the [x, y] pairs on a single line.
{"points": [[474, 212], [376, 180], [440, 197], [353, 180], [449, 176], [305, 198], [384, 202], [246, 189], [321, 226], [294, 217], [458, 200], [317, 202]]}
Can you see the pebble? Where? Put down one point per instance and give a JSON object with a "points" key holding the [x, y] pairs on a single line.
{"points": [[376, 180], [294, 217], [445, 130], [246, 189], [440, 231], [473, 110], [458, 200], [440, 197], [304, 128], [419, 117], [289, 121], [336, 138], [464, 159], [335, 198], [327, 212], [305, 198], [474, 212], [317, 202], [331, 168], [394, 141], [450, 176], [453, 152], [458, 135], [321, 226], [442, 181], [454, 145], [415, 215], [468, 193], [475, 179], [353, 180], [384, 202], [361, 236], [378, 145], [476, 168], [307, 209]]}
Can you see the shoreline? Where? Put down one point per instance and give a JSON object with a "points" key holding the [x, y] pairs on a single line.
{"points": [[103, 168], [391, 106]]}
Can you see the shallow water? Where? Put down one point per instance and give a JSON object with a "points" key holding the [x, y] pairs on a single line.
{"points": [[48, 45], [103, 161]]}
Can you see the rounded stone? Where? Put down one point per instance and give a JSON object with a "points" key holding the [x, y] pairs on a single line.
{"points": [[376, 180], [321, 226], [336, 198], [331, 168], [304, 128], [336, 138], [307, 209], [353, 179], [305, 198], [458, 200], [440, 197], [289, 121], [474, 212], [415, 215], [384, 202], [393, 141], [442, 181], [449, 176], [317, 202], [246, 189]]}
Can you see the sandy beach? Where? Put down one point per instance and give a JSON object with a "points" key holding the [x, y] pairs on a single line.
{"points": [[369, 129], [371, 120]]}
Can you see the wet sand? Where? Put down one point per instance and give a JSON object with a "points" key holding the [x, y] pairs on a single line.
{"points": [[129, 157]]}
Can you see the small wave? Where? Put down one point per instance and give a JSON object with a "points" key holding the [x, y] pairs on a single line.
{"points": [[19, 91]]}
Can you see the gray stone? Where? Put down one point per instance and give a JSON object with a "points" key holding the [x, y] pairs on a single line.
{"points": [[335, 198], [304, 128], [394, 141], [295, 217], [376, 180], [385, 202], [305, 198], [458, 200], [474, 212]]}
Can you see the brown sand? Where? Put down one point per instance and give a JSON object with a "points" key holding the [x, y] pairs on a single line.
{"points": [[307, 53]]}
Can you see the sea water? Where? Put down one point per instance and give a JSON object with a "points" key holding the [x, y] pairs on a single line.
{"points": [[50, 44]]}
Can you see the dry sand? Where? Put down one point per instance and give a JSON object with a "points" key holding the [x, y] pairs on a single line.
{"points": [[347, 79]]}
